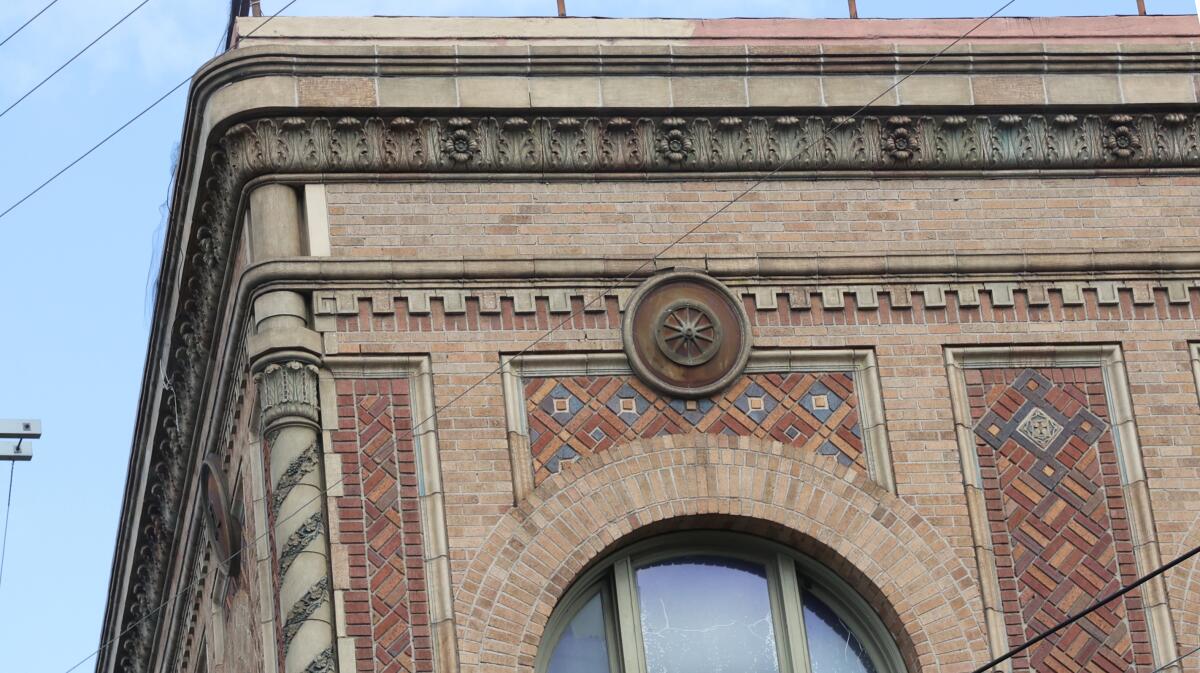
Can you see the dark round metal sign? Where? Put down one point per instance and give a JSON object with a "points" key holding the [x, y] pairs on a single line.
{"points": [[224, 530], [686, 334]]}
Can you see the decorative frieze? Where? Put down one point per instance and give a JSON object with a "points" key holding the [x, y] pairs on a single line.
{"points": [[560, 408], [1036, 140]]}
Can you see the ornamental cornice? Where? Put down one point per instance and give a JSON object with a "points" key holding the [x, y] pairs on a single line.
{"points": [[749, 142], [1040, 140]]}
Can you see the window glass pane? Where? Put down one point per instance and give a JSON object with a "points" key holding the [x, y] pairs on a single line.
{"points": [[582, 647], [706, 614], [832, 647]]}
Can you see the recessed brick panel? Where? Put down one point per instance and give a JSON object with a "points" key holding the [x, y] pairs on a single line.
{"points": [[379, 523], [572, 417], [1058, 517]]}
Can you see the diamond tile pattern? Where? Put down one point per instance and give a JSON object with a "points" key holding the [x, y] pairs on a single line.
{"points": [[1057, 515], [816, 412], [379, 518]]}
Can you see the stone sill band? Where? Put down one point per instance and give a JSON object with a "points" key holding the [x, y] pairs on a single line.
{"points": [[868, 267]]}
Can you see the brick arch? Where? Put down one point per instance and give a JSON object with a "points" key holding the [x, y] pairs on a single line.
{"points": [[874, 540], [1183, 591]]}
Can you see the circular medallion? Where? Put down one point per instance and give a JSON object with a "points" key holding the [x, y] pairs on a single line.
{"points": [[223, 528], [686, 334]]}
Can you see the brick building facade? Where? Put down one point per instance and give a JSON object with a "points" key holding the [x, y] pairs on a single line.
{"points": [[464, 323]]}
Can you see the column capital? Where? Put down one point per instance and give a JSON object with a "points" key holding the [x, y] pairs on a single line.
{"points": [[287, 392]]}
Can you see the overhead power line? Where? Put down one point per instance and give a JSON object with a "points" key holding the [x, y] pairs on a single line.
{"points": [[71, 60], [27, 22], [599, 296], [1176, 660], [12, 467], [1076, 617], [124, 126]]}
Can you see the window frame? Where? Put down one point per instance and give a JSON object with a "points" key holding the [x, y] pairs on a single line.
{"points": [[788, 573]]}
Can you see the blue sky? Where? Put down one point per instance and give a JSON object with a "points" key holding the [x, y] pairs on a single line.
{"points": [[76, 260]]}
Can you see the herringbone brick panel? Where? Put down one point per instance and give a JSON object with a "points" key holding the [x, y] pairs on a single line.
{"points": [[570, 417], [1057, 515]]}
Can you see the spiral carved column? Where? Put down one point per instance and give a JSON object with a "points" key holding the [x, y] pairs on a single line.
{"points": [[288, 400], [285, 354]]}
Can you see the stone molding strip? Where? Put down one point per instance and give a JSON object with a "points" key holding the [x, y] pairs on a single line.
{"points": [[1085, 263], [883, 54]]}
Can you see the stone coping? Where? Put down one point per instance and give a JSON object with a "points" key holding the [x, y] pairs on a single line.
{"points": [[507, 30], [1055, 265]]}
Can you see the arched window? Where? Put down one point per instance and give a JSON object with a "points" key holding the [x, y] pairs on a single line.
{"points": [[714, 603]]}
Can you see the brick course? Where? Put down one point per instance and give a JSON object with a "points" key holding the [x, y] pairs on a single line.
{"points": [[522, 219]]}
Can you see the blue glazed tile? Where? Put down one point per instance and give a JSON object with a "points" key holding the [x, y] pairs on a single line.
{"points": [[640, 404], [755, 392], [832, 402], [574, 405], [692, 416]]}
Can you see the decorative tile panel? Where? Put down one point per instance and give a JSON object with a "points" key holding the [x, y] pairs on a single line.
{"points": [[1057, 514], [379, 519], [570, 417]]}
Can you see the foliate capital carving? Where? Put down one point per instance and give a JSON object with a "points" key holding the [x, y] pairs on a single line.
{"points": [[287, 391]]}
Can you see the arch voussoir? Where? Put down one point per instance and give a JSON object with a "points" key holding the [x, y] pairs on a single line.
{"points": [[878, 543]]}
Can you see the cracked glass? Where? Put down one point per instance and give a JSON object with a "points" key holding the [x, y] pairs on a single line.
{"points": [[706, 614], [832, 646]]}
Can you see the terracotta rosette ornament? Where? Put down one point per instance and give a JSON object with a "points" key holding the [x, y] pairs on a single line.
{"points": [[674, 145], [1122, 139], [460, 144], [901, 142], [686, 334]]}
